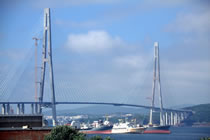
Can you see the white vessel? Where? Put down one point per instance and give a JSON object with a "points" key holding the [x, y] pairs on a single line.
{"points": [[85, 126], [126, 127], [75, 124]]}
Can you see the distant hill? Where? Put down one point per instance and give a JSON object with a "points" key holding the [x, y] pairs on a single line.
{"points": [[182, 106], [102, 109], [201, 114]]}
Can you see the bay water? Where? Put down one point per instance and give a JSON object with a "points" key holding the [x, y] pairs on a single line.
{"points": [[177, 133]]}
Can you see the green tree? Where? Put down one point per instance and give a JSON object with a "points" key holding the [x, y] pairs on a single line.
{"points": [[65, 133], [99, 138], [96, 138], [108, 138], [68, 133]]}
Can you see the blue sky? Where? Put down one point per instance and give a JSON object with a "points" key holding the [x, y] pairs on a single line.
{"points": [[103, 49]]}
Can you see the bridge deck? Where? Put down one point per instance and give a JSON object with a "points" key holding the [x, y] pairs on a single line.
{"points": [[101, 103]]}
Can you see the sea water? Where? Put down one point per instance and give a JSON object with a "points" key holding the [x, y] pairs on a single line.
{"points": [[177, 133]]}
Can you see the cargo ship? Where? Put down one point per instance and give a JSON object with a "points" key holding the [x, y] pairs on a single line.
{"points": [[157, 129], [99, 130], [99, 127], [137, 130], [126, 127]]}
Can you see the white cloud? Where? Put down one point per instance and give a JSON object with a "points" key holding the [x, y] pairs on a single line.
{"points": [[93, 41], [133, 61], [191, 23]]}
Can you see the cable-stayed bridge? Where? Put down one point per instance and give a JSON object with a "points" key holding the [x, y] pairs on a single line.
{"points": [[49, 104], [167, 115]]}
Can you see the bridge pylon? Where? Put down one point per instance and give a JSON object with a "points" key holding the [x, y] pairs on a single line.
{"points": [[156, 79], [47, 59]]}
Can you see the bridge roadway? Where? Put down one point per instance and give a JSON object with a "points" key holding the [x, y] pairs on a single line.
{"points": [[48, 104]]}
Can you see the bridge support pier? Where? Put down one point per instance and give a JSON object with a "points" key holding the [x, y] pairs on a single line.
{"points": [[8, 109], [18, 109], [178, 118], [182, 116], [22, 108], [36, 108], [169, 119], [32, 108], [163, 119], [172, 119], [175, 118], [166, 118], [39, 109], [3, 109]]}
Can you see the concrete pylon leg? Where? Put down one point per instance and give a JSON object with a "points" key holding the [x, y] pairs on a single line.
{"points": [[32, 108], [22, 109], [161, 119], [169, 119], [175, 118], [36, 108], [18, 109], [166, 117], [179, 118], [172, 118], [182, 116], [8, 108], [3, 111]]}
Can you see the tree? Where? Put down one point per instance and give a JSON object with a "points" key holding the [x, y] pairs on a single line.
{"points": [[68, 133], [65, 133], [99, 138], [96, 138]]}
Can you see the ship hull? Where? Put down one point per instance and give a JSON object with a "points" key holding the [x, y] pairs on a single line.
{"points": [[157, 130], [99, 130], [136, 130], [127, 130]]}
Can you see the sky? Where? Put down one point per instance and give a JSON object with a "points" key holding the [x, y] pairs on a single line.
{"points": [[103, 49]]}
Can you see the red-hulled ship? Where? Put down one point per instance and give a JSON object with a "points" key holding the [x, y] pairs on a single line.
{"points": [[157, 130]]}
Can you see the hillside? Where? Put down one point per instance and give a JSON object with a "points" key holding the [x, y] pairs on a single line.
{"points": [[99, 110], [201, 114]]}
